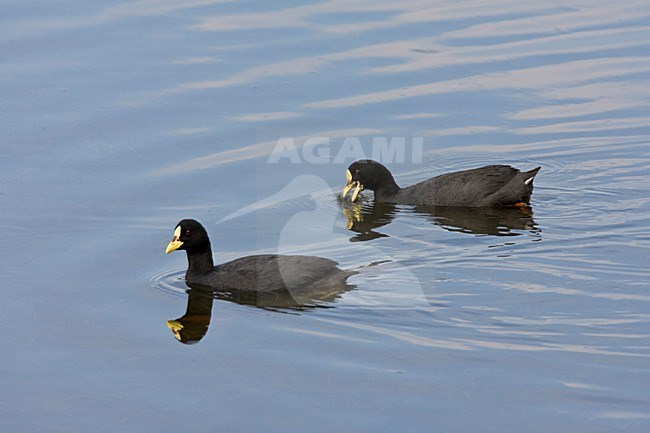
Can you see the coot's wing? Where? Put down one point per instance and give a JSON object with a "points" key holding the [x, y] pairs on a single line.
{"points": [[461, 188], [273, 272]]}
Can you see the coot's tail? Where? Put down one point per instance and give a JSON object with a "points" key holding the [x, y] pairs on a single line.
{"points": [[527, 190], [530, 175]]}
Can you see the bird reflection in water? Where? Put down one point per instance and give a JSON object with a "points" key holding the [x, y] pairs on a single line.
{"points": [[193, 325], [365, 217]]}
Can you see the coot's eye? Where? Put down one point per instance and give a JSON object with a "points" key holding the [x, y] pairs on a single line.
{"points": [[188, 232]]}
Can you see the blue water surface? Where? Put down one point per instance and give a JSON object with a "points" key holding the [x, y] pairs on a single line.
{"points": [[119, 118]]}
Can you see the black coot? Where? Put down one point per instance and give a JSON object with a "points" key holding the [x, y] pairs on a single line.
{"points": [[490, 186], [268, 273]]}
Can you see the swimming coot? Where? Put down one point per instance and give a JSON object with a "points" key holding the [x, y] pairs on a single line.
{"points": [[490, 186], [260, 273]]}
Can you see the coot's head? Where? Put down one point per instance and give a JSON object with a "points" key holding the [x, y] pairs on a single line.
{"points": [[189, 235], [366, 174]]}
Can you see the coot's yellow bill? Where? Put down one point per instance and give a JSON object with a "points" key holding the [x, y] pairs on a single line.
{"points": [[347, 189], [356, 192], [357, 189], [351, 184], [175, 243]]}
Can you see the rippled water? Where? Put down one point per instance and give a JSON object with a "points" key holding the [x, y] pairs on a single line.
{"points": [[121, 118]]}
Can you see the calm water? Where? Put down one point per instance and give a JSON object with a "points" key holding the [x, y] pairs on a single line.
{"points": [[121, 118]]}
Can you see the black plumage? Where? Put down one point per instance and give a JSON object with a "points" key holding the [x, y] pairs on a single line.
{"points": [[303, 277], [489, 186]]}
